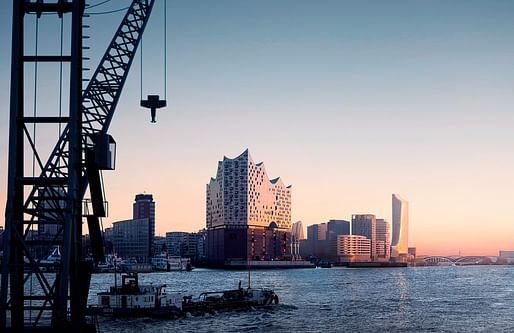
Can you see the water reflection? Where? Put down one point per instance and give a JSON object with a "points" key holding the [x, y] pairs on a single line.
{"points": [[402, 283], [424, 299]]}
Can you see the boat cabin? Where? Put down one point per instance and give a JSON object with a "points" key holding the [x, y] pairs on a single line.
{"points": [[131, 295]]}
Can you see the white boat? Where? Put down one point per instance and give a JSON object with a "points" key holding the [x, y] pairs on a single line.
{"points": [[131, 265], [169, 264], [108, 265], [52, 260]]}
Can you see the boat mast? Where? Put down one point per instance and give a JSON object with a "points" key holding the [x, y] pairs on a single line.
{"points": [[114, 259]]}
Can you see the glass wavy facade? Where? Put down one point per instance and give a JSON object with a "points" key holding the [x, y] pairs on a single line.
{"points": [[243, 195]]}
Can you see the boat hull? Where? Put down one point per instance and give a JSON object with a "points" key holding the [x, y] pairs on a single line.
{"points": [[157, 312]]}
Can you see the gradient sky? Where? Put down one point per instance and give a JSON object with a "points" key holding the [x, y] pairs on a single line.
{"points": [[347, 101]]}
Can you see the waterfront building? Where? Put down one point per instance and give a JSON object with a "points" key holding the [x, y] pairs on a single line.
{"points": [[332, 229], [107, 234], [297, 230], [130, 239], [190, 245], [175, 243], [316, 235], [383, 235], [366, 225], [336, 228], [86, 245], [506, 254], [183, 244], [305, 248], [201, 247], [380, 250], [400, 239], [412, 252], [351, 248], [159, 245], [248, 215], [50, 231], [144, 208], [296, 236], [505, 257], [186, 244], [319, 236], [107, 238]]}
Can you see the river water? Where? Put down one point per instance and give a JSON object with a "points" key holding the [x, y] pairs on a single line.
{"points": [[412, 299]]}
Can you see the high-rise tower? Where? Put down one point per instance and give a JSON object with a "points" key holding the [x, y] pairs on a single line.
{"points": [[296, 236], [316, 237], [384, 236], [400, 239], [336, 228], [366, 225], [297, 230], [144, 208]]}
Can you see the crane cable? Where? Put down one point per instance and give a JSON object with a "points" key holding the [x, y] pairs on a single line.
{"points": [[109, 11], [97, 4], [165, 60], [141, 70], [104, 12], [165, 47], [60, 81], [34, 113]]}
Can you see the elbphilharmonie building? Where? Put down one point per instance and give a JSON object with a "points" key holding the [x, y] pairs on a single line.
{"points": [[400, 239], [248, 215]]}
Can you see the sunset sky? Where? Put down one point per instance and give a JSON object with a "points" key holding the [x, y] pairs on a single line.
{"points": [[347, 101]]}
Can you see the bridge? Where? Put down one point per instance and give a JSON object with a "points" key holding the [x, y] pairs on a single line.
{"points": [[463, 260]]}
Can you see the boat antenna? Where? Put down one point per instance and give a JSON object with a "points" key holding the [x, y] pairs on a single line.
{"points": [[248, 273], [114, 259]]}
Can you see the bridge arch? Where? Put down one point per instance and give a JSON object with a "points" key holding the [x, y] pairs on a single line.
{"points": [[465, 260]]}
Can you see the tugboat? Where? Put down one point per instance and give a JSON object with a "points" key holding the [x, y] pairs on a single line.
{"points": [[134, 300]]}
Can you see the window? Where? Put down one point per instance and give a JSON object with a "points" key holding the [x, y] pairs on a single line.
{"points": [[105, 300]]}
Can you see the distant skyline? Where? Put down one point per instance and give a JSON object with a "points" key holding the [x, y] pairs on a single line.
{"points": [[347, 101]]}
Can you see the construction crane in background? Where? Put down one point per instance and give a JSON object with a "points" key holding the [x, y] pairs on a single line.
{"points": [[54, 196]]}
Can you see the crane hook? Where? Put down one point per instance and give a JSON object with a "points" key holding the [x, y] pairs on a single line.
{"points": [[153, 103]]}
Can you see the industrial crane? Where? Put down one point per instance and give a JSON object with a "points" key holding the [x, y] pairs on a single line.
{"points": [[55, 198]]}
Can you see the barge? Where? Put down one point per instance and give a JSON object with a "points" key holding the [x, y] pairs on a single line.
{"points": [[239, 299]]}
